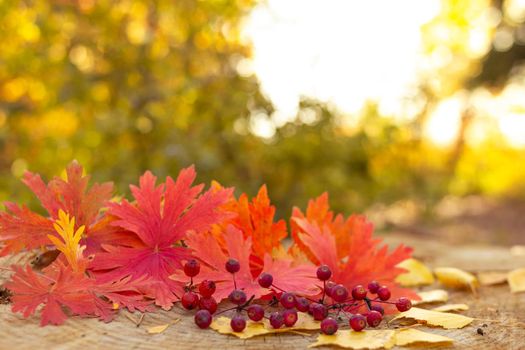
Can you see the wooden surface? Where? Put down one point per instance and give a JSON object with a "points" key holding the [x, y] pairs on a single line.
{"points": [[502, 312]]}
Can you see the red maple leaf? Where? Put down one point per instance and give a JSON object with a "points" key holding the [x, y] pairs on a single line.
{"points": [[207, 248], [255, 219], [348, 247], [158, 220], [125, 293], [72, 196], [103, 232], [58, 288], [54, 291], [21, 228]]}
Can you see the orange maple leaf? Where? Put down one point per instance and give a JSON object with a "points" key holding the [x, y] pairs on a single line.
{"points": [[255, 219], [348, 247]]}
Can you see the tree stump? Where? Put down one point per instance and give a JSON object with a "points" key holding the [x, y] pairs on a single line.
{"points": [[498, 313]]}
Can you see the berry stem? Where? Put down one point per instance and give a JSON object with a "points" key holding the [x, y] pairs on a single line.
{"points": [[368, 304], [354, 307], [271, 303], [345, 313], [246, 303], [226, 310], [280, 289], [234, 281], [324, 292]]}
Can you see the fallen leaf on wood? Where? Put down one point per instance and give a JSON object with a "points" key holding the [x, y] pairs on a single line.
{"points": [[378, 339], [432, 296], [492, 277], [516, 280], [435, 318], [372, 339], [158, 329], [451, 307], [456, 278], [418, 274], [406, 336], [222, 325], [517, 250]]}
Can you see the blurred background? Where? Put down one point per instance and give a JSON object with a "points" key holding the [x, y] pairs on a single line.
{"points": [[412, 111]]}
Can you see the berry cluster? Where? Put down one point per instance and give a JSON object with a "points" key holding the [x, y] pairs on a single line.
{"points": [[201, 297], [335, 303], [345, 303]]}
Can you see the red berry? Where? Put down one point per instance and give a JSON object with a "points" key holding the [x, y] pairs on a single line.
{"points": [[265, 280], [190, 300], [207, 288], [329, 326], [232, 265], [358, 322], [329, 287], [276, 319], [311, 308], [287, 300], [237, 296], [374, 318], [208, 303], [319, 311], [383, 293], [324, 273], [373, 287], [339, 293], [238, 323], [302, 304], [403, 304], [203, 318], [359, 292], [378, 308], [192, 268], [255, 312], [290, 317]]}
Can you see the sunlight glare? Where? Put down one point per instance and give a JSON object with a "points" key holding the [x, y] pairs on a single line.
{"points": [[344, 52], [443, 124]]}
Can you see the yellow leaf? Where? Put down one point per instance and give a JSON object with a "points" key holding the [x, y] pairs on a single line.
{"points": [[456, 278], [451, 307], [516, 280], [417, 274], [406, 336], [222, 325], [70, 246], [517, 250], [432, 296], [435, 318], [371, 339], [492, 278], [158, 329], [304, 322], [155, 329]]}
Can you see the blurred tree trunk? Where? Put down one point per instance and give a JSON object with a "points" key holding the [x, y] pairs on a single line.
{"points": [[459, 145]]}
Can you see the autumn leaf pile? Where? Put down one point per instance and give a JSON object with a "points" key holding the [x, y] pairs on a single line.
{"points": [[116, 253]]}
